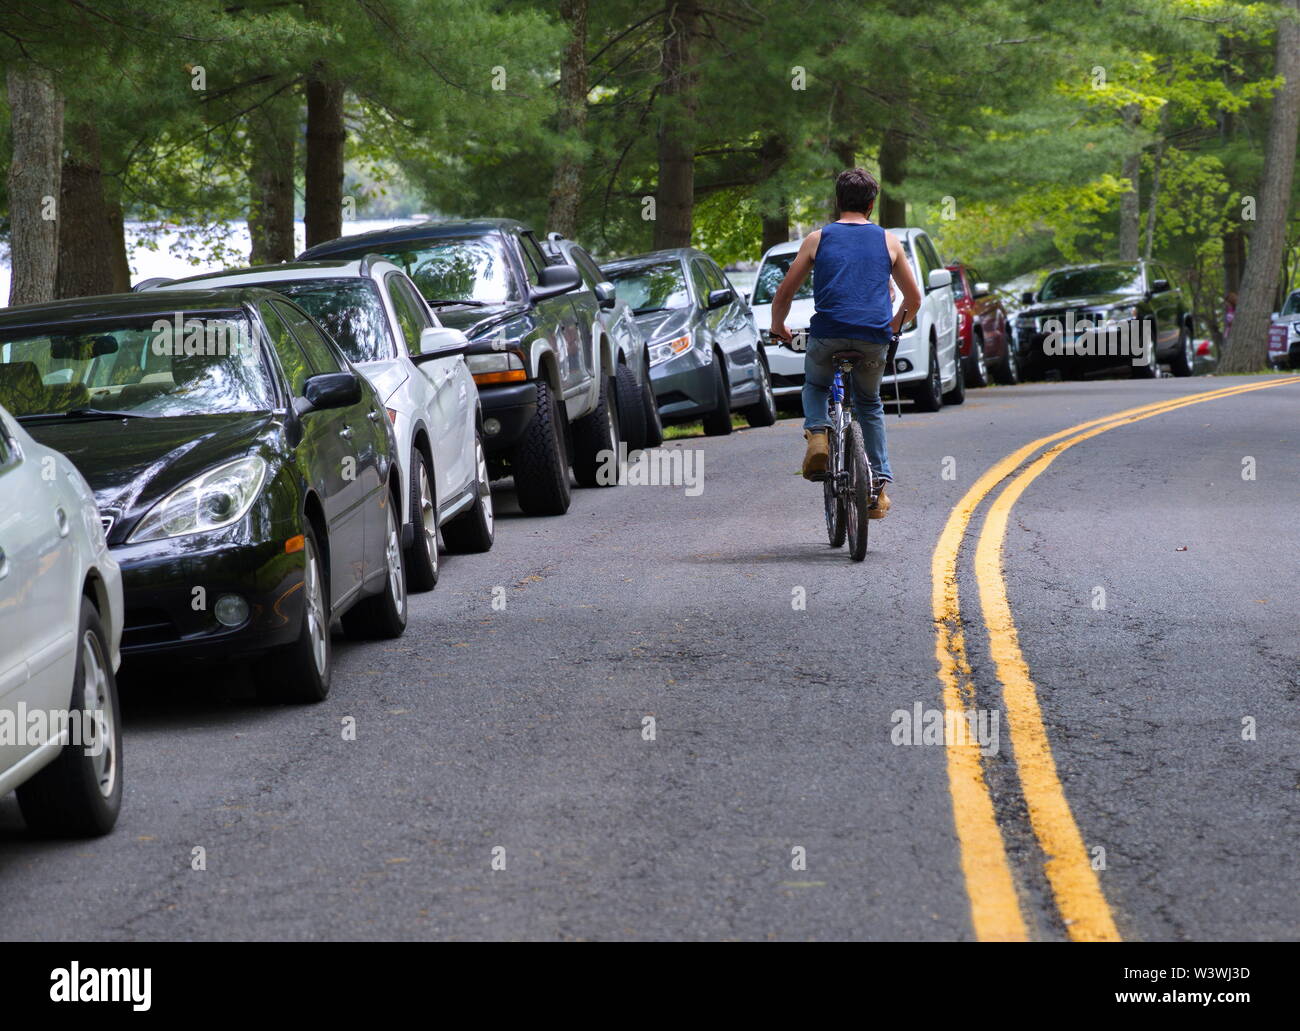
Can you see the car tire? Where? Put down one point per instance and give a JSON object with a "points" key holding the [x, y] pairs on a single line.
{"points": [[596, 439], [763, 413], [382, 616], [1184, 362], [717, 423], [631, 413], [927, 396], [300, 672], [974, 366], [80, 795], [654, 425], [1007, 371], [475, 530], [422, 556], [539, 462]]}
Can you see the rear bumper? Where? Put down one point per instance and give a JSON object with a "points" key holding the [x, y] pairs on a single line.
{"points": [[507, 410]]}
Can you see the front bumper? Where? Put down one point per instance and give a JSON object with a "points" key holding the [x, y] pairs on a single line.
{"points": [[171, 593], [508, 408], [685, 386]]}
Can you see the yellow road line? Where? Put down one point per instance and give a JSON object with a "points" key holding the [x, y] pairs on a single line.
{"points": [[1075, 885], [995, 908]]}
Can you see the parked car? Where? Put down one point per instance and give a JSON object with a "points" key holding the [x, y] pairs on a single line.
{"points": [[60, 634], [786, 365], [637, 411], [706, 358], [538, 350], [1284, 335], [928, 360], [245, 473], [1136, 298], [378, 319], [987, 350]]}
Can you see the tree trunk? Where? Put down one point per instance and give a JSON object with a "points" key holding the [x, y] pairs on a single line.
{"points": [[772, 156], [117, 236], [776, 229], [325, 136], [676, 194], [1234, 242], [566, 185], [893, 170], [1155, 196], [272, 128], [1130, 206], [36, 134], [86, 244], [1234, 260], [1248, 346]]}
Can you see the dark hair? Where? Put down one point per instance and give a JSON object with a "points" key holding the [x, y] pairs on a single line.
{"points": [[855, 190]]}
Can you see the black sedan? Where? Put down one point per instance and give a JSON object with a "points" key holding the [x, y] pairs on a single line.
{"points": [[243, 471]]}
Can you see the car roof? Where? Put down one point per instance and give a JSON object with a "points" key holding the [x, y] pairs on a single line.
{"points": [[788, 247], [347, 268], [651, 257], [428, 230], [114, 306]]}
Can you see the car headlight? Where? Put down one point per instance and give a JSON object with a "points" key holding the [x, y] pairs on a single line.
{"points": [[497, 367], [1123, 313], [218, 498], [666, 349]]}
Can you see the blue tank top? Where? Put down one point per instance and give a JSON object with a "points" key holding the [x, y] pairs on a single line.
{"points": [[851, 283]]}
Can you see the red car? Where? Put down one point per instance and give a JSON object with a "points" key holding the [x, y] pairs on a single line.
{"points": [[983, 333]]}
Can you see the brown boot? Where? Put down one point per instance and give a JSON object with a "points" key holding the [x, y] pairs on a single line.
{"points": [[882, 505], [815, 458]]}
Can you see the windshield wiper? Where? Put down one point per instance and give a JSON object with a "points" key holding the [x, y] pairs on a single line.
{"points": [[447, 303], [85, 413]]}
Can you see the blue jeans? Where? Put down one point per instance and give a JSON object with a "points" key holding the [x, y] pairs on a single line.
{"points": [[818, 374]]}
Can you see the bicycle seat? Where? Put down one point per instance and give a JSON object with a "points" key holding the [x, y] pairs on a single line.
{"points": [[848, 357]]}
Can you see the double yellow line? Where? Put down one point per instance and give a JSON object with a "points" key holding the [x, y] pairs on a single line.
{"points": [[995, 906]]}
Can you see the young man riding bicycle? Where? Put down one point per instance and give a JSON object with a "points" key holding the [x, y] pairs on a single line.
{"points": [[854, 259]]}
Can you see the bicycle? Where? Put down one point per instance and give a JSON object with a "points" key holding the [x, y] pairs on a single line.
{"points": [[849, 486]]}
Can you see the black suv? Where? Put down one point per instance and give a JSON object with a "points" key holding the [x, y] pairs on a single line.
{"points": [[1126, 304], [537, 347]]}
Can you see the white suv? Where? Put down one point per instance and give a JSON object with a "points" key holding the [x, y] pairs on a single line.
{"points": [[379, 320], [60, 637], [929, 360]]}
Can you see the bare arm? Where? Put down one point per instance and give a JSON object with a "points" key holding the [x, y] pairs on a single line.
{"points": [[794, 279], [902, 270]]}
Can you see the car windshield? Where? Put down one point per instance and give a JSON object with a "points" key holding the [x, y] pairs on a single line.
{"points": [[1083, 282], [1292, 306], [769, 277], [656, 287], [473, 269], [350, 310], [183, 364]]}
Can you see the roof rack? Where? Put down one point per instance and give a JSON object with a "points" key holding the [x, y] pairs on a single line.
{"points": [[149, 284]]}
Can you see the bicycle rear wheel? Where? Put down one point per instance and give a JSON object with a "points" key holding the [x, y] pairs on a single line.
{"points": [[833, 502], [859, 493]]}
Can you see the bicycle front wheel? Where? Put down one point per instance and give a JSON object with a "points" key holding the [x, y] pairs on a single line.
{"points": [[834, 503], [858, 501]]}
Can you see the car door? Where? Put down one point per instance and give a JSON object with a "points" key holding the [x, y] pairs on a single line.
{"points": [[328, 461], [1165, 305], [739, 333], [448, 396], [711, 320], [571, 342], [368, 424], [38, 567]]}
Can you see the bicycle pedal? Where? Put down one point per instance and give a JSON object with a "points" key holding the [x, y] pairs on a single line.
{"points": [[817, 477]]}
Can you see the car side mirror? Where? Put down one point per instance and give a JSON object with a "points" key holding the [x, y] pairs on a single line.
{"points": [[938, 279], [440, 342], [1160, 286], [717, 298], [332, 390], [1027, 297], [982, 290], [606, 294], [555, 280]]}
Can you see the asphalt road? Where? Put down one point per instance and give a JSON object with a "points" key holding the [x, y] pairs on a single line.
{"points": [[522, 728]]}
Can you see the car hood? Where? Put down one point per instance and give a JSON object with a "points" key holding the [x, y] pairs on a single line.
{"points": [[133, 464], [801, 313], [385, 376], [1063, 304], [477, 322], [656, 325]]}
